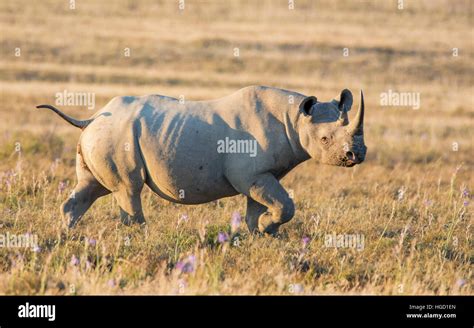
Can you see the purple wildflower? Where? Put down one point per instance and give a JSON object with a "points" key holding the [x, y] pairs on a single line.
{"points": [[36, 249], [305, 240], [222, 237], [235, 221], [465, 193], [461, 282], [297, 288], [92, 242], [111, 283], [61, 187], [182, 284], [179, 265], [183, 218], [74, 260], [187, 265], [10, 176]]}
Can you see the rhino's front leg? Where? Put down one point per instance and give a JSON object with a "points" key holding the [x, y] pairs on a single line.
{"points": [[270, 205], [254, 211]]}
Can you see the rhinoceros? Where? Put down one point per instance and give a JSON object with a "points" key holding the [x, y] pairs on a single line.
{"points": [[193, 152]]}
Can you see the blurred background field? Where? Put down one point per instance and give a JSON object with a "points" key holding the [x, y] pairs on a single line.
{"points": [[410, 199]]}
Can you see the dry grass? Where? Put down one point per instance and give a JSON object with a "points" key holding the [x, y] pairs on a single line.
{"points": [[420, 243]]}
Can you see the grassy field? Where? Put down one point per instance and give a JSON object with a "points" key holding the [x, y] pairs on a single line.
{"points": [[410, 201]]}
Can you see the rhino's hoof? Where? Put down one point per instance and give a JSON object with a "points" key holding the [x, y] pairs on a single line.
{"points": [[127, 221], [266, 225], [130, 220], [72, 224]]}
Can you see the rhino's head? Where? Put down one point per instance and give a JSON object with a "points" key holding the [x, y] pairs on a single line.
{"points": [[326, 134]]}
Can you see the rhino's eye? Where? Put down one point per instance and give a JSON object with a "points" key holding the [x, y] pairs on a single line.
{"points": [[324, 140]]}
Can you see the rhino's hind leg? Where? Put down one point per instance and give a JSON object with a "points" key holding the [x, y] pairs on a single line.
{"points": [[84, 195], [272, 205], [86, 192], [130, 206]]}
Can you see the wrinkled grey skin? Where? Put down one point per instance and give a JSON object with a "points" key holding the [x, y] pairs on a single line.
{"points": [[172, 148]]}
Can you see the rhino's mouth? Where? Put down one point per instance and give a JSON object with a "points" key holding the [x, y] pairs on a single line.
{"points": [[349, 164]]}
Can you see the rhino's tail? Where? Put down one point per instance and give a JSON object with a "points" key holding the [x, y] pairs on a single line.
{"points": [[77, 123]]}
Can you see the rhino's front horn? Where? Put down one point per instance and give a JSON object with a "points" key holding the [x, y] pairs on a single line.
{"points": [[356, 127]]}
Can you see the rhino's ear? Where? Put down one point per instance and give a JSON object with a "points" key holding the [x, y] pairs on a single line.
{"points": [[307, 104], [345, 101]]}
